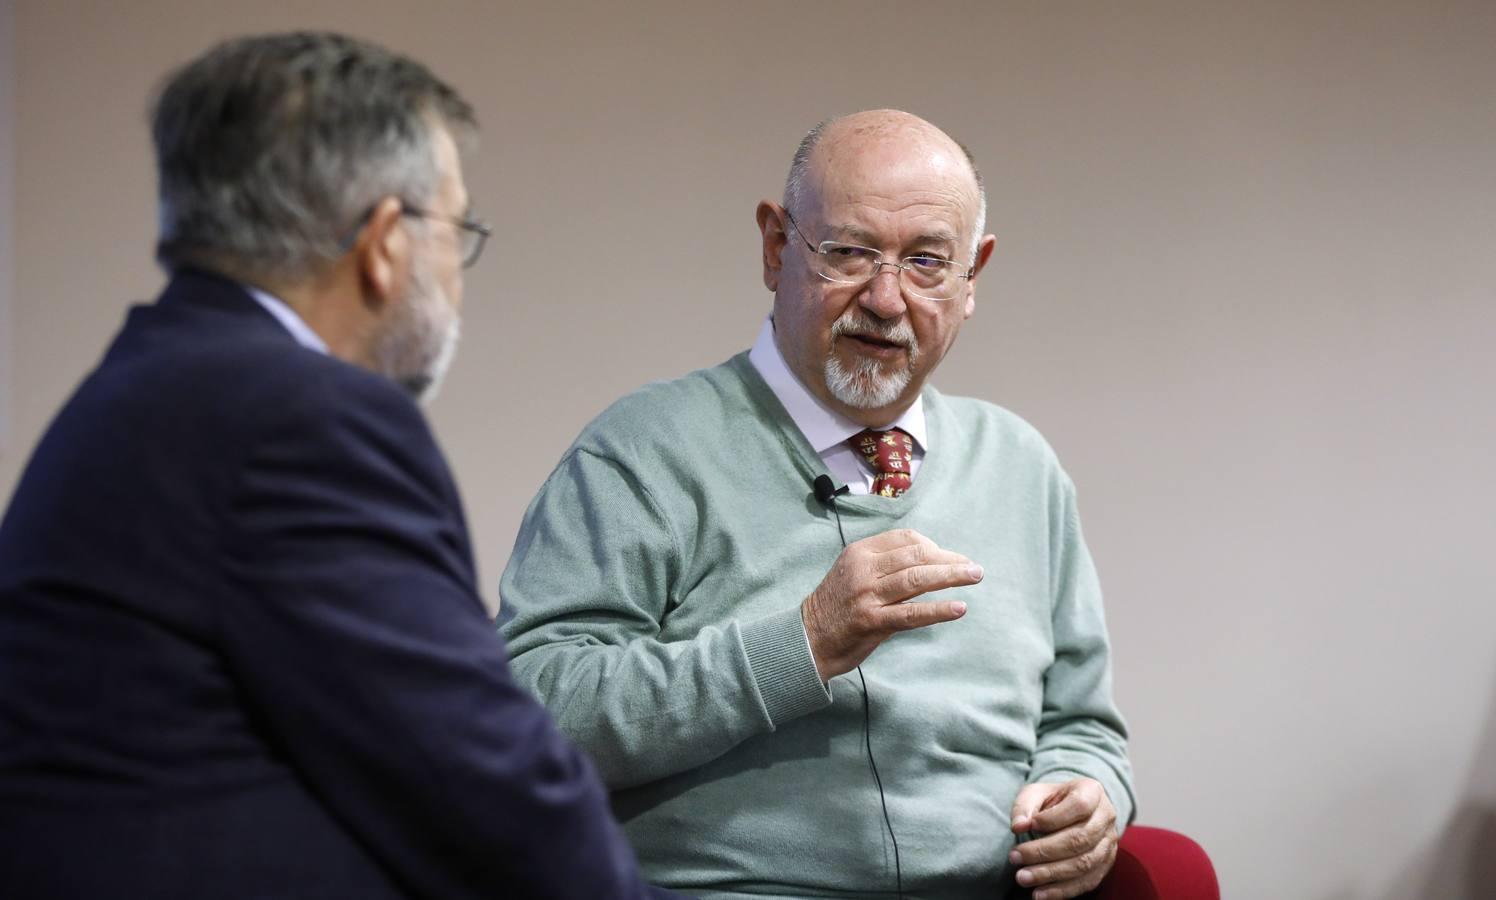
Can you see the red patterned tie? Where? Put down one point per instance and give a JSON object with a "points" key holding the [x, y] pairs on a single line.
{"points": [[891, 454]]}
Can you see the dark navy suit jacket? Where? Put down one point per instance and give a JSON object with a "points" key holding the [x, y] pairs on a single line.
{"points": [[242, 653]]}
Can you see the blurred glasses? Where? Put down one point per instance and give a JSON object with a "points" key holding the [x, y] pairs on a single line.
{"points": [[473, 234]]}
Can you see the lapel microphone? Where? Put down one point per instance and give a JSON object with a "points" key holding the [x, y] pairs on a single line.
{"points": [[827, 491], [826, 494]]}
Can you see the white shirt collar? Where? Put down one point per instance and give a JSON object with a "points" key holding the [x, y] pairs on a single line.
{"points": [[822, 427], [287, 316]]}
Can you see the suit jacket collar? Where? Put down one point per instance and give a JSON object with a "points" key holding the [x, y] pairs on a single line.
{"points": [[205, 290]]}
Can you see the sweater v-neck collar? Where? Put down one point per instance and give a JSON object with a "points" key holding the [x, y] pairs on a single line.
{"points": [[808, 460]]}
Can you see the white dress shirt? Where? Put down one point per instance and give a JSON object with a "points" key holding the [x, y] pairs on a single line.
{"points": [[287, 316], [826, 430]]}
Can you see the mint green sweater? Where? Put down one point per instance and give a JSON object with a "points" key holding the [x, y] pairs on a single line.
{"points": [[653, 603]]}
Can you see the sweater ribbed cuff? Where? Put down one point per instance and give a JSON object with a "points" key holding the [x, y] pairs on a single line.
{"points": [[783, 669]]}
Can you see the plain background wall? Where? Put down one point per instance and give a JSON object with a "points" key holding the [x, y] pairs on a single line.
{"points": [[7, 215], [1245, 282]]}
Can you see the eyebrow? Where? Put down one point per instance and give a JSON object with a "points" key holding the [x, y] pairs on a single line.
{"points": [[863, 235]]}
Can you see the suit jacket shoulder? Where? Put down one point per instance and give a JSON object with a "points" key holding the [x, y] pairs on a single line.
{"points": [[241, 649]]}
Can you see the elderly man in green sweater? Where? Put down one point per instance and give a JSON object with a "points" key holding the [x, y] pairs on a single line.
{"points": [[794, 691]]}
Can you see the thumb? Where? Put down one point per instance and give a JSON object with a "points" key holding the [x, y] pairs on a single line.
{"points": [[1029, 801]]}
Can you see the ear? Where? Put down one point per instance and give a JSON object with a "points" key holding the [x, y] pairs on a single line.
{"points": [[381, 255], [771, 227], [984, 253]]}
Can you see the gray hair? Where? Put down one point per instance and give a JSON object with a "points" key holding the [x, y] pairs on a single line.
{"points": [[271, 149], [796, 189]]}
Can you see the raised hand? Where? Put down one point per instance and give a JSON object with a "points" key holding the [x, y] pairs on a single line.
{"points": [[862, 601]]}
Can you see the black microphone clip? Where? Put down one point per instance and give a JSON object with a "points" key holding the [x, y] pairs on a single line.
{"points": [[827, 491]]}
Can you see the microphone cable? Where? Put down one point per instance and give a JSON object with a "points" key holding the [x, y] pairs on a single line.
{"points": [[826, 493]]}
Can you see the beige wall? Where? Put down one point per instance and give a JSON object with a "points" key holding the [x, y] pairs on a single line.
{"points": [[1245, 282], [7, 217]]}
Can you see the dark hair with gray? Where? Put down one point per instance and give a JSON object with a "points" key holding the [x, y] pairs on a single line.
{"points": [[795, 188], [271, 149]]}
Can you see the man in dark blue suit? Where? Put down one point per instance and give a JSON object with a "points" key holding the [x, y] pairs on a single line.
{"points": [[242, 653]]}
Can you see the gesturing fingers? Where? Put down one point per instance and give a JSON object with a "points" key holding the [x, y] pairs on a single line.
{"points": [[908, 616], [908, 583], [1079, 842], [919, 553], [1065, 844], [861, 601], [1073, 877], [1077, 802], [1030, 800]]}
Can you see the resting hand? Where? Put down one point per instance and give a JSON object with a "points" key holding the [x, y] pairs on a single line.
{"points": [[1078, 845], [860, 602]]}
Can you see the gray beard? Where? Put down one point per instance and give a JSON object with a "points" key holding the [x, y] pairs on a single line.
{"points": [[423, 386], [864, 385], [419, 343]]}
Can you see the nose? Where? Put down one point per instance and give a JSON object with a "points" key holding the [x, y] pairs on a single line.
{"points": [[882, 295]]}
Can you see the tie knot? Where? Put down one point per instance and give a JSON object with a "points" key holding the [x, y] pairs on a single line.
{"points": [[890, 453]]}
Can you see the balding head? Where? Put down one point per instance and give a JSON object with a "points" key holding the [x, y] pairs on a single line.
{"points": [[843, 140], [873, 259]]}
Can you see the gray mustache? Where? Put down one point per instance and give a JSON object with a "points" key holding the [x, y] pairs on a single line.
{"points": [[861, 326]]}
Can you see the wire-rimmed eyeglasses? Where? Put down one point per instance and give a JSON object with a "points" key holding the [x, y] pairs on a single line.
{"points": [[926, 275], [472, 233]]}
